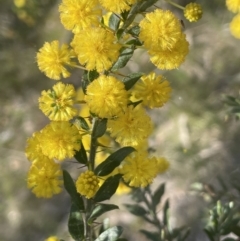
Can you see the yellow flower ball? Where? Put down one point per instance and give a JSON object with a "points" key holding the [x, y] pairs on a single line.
{"points": [[106, 97], [160, 30], [233, 5], [96, 48], [87, 184], [193, 12], [235, 26]]}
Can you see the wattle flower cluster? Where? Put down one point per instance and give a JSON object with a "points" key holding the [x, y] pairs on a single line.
{"points": [[101, 46], [161, 33]]}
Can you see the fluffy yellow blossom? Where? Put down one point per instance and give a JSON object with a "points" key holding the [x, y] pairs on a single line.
{"points": [[45, 178], [131, 128], [51, 60], [235, 26], [96, 48], [61, 140], [87, 184], [33, 149], [52, 238], [106, 96], [58, 103], [233, 5], [154, 91], [138, 170], [76, 15], [117, 6], [170, 59], [193, 12], [160, 30]]}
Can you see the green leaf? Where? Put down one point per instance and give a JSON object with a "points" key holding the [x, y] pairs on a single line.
{"points": [[75, 223], [111, 234], [85, 82], [114, 21], [113, 161], [101, 209], [134, 42], [154, 236], [108, 188], [92, 75], [157, 196], [125, 56], [131, 79], [81, 155], [121, 239], [72, 191], [135, 30], [80, 122], [119, 33], [209, 234], [166, 213], [136, 209], [146, 4], [100, 128]]}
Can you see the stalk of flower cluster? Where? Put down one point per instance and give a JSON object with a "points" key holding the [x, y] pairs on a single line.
{"points": [[89, 204]]}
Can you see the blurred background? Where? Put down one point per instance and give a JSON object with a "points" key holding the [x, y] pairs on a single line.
{"points": [[194, 131]]}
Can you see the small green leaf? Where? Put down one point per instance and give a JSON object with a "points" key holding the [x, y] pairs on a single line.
{"points": [[131, 79], [119, 33], [92, 75], [85, 82], [81, 123], [125, 55], [136, 209], [101, 209], [81, 155], [154, 236], [135, 30], [146, 4], [100, 128], [166, 213], [124, 15], [114, 21], [71, 189], [75, 223], [134, 42], [158, 195], [111, 234], [113, 161], [108, 188]]}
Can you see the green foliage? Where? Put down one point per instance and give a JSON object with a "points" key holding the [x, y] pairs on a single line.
{"points": [[72, 191], [234, 105], [81, 155], [100, 128], [131, 79], [146, 208], [125, 55], [101, 209], [81, 123], [114, 21], [113, 161], [108, 188], [75, 223], [111, 234]]}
